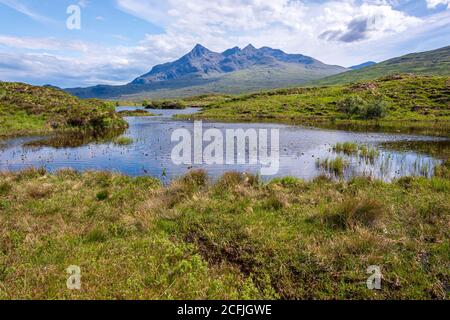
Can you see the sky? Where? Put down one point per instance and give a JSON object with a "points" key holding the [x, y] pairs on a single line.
{"points": [[118, 40]]}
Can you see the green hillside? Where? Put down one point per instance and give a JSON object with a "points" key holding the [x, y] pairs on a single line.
{"points": [[252, 79], [436, 62], [394, 102], [26, 109]]}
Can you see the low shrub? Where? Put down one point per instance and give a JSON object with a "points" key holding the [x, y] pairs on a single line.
{"points": [[102, 195], [375, 110], [351, 105], [358, 107]]}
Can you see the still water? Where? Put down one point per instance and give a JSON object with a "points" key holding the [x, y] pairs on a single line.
{"points": [[150, 152]]}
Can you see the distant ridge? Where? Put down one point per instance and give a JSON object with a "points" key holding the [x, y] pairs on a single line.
{"points": [[363, 65], [232, 71], [435, 62]]}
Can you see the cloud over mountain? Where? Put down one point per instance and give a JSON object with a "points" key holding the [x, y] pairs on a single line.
{"points": [[344, 32]]}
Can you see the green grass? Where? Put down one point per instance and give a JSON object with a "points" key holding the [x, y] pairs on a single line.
{"points": [[237, 238], [123, 141], [368, 153], [349, 148], [335, 166], [405, 103], [443, 170], [353, 149], [26, 110]]}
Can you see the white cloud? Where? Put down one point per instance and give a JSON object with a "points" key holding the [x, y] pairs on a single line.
{"points": [[19, 7], [48, 44], [292, 25], [366, 22], [150, 10], [435, 3], [83, 3], [344, 32]]}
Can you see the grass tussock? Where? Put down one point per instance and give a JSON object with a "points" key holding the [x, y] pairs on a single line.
{"points": [[353, 212], [443, 170], [123, 141], [349, 148], [335, 166], [286, 239], [368, 153]]}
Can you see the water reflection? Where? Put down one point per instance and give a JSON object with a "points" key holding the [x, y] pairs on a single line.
{"points": [[150, 152]]}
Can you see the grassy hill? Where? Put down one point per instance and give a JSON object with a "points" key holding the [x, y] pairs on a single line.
{"points": [[26, 109], [436, 62], [396, 102]]}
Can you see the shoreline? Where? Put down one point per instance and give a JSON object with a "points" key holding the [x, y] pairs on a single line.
{"points": [[422, 128]]}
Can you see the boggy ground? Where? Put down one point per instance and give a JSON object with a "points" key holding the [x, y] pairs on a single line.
{"points": [[397, 103], [230, 239]]}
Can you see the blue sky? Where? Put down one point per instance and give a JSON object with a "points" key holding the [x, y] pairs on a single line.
{"points": [[121, 39]]}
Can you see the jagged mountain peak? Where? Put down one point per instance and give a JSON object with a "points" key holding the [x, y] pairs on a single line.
{"points": [[250, 48], [199, 50], [231, 51], [201, 63]]}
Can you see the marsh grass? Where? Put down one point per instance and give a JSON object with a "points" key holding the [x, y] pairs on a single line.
{"points": [[335, 166], [348, 148], [123, 141], [353, 212], [443, 170], [236, 238], [365, 152], [5, 187], [370, 154]]}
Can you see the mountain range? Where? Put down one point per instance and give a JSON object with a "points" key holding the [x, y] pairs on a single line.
{"points": [[236, 70], [232, 71]]}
